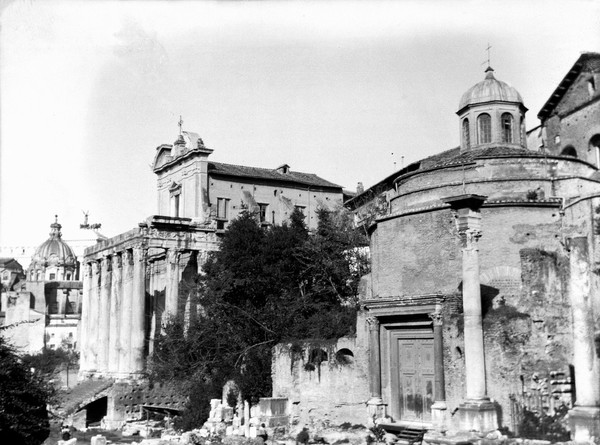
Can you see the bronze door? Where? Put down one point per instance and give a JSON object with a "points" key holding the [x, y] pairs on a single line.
{"points": [[415, 378]]}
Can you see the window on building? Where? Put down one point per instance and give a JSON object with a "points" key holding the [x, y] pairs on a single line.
{"points": [[222, 208], [466, 134], [53, 276], [273, 217], [507, 127], [591, 85], [569, 151], [68, 277], [262, 209], [5, 276], [175, 205], [484, 128]]}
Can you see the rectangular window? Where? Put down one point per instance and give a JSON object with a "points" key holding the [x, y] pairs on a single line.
{"points": [[273, 217], [222, 208], [263, 212], [52, 276]]}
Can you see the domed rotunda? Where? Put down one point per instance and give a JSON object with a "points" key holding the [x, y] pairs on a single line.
{"points": [[54, 260]]}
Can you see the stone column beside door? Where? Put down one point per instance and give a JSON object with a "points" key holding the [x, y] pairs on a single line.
{"points": [[439, 408], [375, 405]]}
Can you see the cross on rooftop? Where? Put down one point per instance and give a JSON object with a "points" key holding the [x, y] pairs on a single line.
{"points": [[180, 123], [488, 54]]}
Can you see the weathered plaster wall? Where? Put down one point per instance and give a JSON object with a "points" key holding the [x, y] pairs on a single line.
{"points": [[332, 392]]}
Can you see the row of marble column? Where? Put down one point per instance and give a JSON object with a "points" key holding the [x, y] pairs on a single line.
{"points": [[114, 310], [113, 314]]}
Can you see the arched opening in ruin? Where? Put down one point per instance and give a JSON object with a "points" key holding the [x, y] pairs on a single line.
{"points": [[344, 356]]}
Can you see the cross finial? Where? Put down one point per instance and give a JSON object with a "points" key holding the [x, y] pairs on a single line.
{"points": [[180, 123], [488, 55], [55, 219]]}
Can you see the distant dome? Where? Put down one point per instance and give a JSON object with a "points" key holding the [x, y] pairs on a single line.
{"points": [[489, 90], [54, 251]]}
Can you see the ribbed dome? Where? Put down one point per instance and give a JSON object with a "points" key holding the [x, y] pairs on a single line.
{"points": [[488, 90], [54, 251]]}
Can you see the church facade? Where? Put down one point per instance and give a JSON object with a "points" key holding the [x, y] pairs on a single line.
{"points": [[133, 283], [43, 309]]}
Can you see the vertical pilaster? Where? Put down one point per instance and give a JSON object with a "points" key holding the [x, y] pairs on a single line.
{"points": [[114, 327], [84, 326], [138, 312], [103, 315], [126, 308], [584, 418], [375, 405]]}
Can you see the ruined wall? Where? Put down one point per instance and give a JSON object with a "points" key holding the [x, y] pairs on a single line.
{"points": [[325, 382]]}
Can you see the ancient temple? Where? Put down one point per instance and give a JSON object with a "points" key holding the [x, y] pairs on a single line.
{"points": [[483, 295], [134, 282]]}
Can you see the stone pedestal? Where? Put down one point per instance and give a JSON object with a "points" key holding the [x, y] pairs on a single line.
{"points": [[585, 424], [477, 415]]}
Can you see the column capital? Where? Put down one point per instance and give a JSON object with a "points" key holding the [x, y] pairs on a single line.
{"points": [[139, 254], [469, 238], [373, 323], [106, 264], [173, 256], [87, 270], [95, 267], [116, 261], [127, 257], [437, 317]]}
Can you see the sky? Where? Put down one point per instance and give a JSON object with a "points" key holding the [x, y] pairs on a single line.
{"points": [[350, 91]]}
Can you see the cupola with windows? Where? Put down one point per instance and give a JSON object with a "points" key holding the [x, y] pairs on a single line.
{"points": [[492, 113], [53, 260]]}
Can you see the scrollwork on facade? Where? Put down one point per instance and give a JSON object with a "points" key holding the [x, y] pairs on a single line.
{"points": [[373, 323]]}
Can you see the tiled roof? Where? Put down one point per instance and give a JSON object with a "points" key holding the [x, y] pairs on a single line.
{"points": [[455, 157], [241, 171]]}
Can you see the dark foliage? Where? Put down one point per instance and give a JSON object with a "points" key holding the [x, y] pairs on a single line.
{"points": [[264, 286], [545, 427], [23, 398]]}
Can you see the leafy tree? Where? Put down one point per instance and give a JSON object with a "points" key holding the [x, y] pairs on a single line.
{"points": [[263, 286], [23, 399]]}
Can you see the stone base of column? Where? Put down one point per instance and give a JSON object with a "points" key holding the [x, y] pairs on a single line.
{"points": [[585, 424], [376, 408], [439, 414], [477, 415]]}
